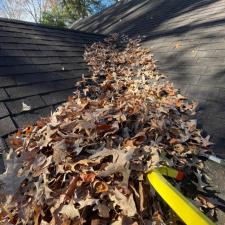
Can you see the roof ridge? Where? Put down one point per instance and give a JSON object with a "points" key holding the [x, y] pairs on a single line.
{"points": [[88, 20], [98, 13], [38, 25]]}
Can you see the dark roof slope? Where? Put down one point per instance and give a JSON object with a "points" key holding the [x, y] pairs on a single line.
{"points": [[187, 39], [108, 20], [38, 66]]}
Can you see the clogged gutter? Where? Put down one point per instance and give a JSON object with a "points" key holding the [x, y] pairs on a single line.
{"points": [[86, 163]]}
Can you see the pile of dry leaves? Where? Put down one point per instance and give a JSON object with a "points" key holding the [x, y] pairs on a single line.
{"points": [[86, 163]]}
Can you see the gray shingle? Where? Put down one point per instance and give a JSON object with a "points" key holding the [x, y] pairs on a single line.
{"points": [[14, 61], [213, 80], [215, 109], [30, 118], [214, 70], [3, 95], [221, 95], [44, 111], [3, 146], [11, 52], [203, 92], [20, 69], [3, 110], [57, 97], [179, 79], [6, 126], [16, 107], [219, 145], [35, 89], [2, 166], [49, 76], [215, 126], [7, 81], [33, 78], [25, 119], [208, 53]]}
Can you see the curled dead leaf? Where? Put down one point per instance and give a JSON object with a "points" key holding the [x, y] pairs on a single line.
{"points": [[100, 187], [70, 211], [126, 204], [88, 177], [179, 148]]}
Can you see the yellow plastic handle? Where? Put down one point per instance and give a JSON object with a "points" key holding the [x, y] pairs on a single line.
{"points": [[178, 203], [170, 172]]}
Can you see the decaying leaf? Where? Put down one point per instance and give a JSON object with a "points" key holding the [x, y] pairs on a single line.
{"points": [[120, 163], [103, 210], [126, 203], [10, 181], [178, 45], [70, 211], [25, 107], [100, 187]]}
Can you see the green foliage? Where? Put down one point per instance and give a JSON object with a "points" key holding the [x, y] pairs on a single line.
{"points": [[68, 11], [54, 17], [77, 9]]}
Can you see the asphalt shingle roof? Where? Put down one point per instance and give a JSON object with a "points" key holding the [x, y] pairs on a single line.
{"points": [[38, 66], [187, 37]]}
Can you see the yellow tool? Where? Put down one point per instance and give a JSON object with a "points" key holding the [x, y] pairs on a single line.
{"points": [[180, 205], [170, 172]]}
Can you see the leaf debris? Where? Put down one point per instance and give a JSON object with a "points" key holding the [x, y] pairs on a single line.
{"points": [[86, 163]]}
